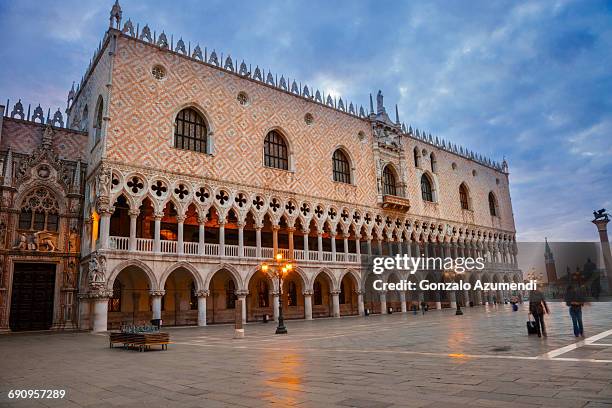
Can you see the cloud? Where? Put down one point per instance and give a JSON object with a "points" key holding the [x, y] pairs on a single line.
{"points": [[530, 81]]}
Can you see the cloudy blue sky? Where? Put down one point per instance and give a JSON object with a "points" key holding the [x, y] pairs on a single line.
{"points": [[529, 81]]}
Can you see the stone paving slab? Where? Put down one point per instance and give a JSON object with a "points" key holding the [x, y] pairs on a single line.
{"points": [[481, 359]]}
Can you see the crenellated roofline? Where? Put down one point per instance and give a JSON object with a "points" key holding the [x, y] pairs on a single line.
{"points": [[283, 84]]}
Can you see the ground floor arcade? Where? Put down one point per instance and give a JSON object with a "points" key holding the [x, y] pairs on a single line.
{"points": [[182, 293]]}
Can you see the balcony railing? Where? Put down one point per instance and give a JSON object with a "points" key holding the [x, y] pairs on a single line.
{"points": [[147, 245], [208, 249]]}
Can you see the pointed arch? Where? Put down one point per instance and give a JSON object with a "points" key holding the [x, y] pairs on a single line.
{"points": [[342, 166], [153, 284], [191, 130], [389, 180], [195, 274], [464, 197], [493, 206], [427, 190], [232, 271]]}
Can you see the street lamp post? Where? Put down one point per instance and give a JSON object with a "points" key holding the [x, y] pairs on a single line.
{"points": [[277, 270]]}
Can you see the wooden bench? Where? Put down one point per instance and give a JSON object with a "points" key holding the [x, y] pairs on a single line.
{"points": [[142, 341]]}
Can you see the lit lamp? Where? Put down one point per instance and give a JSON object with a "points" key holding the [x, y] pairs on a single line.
{"points": [[278, 270]]}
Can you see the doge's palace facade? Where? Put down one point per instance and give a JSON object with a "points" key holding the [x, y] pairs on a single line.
{"points": [[199, 168]]}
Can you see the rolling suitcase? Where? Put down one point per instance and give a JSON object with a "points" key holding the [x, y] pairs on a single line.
{"points": [[531, 327]]}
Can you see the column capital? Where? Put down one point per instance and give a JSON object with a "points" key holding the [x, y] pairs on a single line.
{"points": [[305, 231], [275, 227], [202, 220], [180, 218], [157, 292], [242, 293], [203, 293], [333, 234], [134, 212], [290, 229], [158, 215], [307, 293], [335, 292], [241, 224]]}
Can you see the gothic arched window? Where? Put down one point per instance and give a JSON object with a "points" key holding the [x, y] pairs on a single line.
{"points": [[292, 294], [98, 120], [85, 119], [389, 186], [114, 303], [276, 154], [190, 132], [416, 156], [492, 204], [463, 197], [318, 293], [341, 166], [230, 295], [433, 162], [426, 190], [39, 211]]}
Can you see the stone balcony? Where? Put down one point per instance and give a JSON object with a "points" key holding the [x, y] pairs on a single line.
{"points": [[145, 245]]}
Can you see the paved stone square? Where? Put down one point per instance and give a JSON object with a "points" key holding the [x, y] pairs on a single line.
{"points": [[483, 358]]}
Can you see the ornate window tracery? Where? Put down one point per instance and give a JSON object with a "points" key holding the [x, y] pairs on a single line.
{"points": [[39, 211]]}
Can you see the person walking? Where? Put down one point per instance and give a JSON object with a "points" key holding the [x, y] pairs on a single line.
{"points": [[423, 306], [574, 299], [537, 308]]}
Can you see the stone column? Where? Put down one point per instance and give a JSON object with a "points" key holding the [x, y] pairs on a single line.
{"points": [[305, 232], [320, 245], [201, 234], [308, 305], [100, 314], [275, 298], [105, 215], [258, 241], [241, 240], [402, 296], [290, 230], [369, 245], [438, 302], [360, 305], [222, 237], [383, 301], [242, 294], [275, 229], [358, 246], [133, 218], [390, 246], [602, 228], [335, 303], [466, 298], [180, 246], [400, 250], [409, 248], [346, 247], [157, 236], [202, 295], [332, 236], [379, 244], [156, 300]]}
